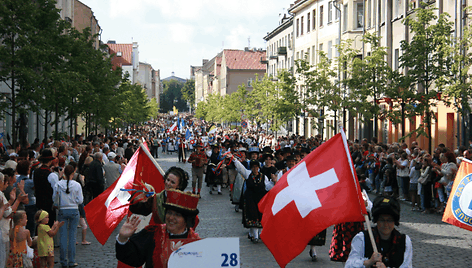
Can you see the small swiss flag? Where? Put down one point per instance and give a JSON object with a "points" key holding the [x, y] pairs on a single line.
{"points": [[322, 190]]}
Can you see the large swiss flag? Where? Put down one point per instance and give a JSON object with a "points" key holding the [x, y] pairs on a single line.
{"points": [[320, 191], [106, 211]]}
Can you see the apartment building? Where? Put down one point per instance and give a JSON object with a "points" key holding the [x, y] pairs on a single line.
{"points": [[149, 81], [229, 69], [125, 56], [319, 25], [206, 78], [280, 47]]}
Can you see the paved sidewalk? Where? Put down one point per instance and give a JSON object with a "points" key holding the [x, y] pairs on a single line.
{"points": [[435, 244]]}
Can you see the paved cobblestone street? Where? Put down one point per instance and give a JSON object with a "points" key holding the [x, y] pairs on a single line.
{"points": [[435, 244]]}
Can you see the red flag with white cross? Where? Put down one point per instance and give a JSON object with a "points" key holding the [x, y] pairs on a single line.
{"points": [[318, 192]]}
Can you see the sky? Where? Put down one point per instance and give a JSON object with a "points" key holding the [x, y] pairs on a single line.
{"points": [[174, 34]]}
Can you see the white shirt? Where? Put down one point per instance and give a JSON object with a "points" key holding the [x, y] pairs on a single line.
{"points": [[245, 173], [356, 257]]}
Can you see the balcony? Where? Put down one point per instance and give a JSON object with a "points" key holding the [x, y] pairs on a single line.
{"points": [[264, 60], [282, 51], [273, 57]]}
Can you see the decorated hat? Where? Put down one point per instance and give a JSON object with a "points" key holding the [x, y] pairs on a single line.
{"points": [[386, 205], [46, 156], [182, 202], [267, 155], [289, 158], [254, 163], [254, 149]]}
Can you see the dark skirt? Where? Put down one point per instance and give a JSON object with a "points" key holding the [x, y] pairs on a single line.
{"points": [[319, 239], [213, 176], [252, 217], [343, 234]]}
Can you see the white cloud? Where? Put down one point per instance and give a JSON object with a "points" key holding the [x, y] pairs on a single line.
{"points": [[181, 33]]}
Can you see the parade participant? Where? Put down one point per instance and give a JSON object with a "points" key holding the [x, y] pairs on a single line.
{"points": [[198, 159], [214, 176], [257, 185], [44, 183], [174, 178], [268, 168], [344, 232], [151, 245], [394, 249]]}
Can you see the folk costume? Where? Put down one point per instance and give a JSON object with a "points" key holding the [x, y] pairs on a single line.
{"points": [[198, 160], [154, 244], [343, 234], [214, 175], [396, 251], [256, 186]]}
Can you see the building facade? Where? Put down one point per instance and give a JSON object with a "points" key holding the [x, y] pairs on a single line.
{"points": [[319, 25]]}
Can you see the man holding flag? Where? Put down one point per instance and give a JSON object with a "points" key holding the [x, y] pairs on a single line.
{"points": [[320, 191]]}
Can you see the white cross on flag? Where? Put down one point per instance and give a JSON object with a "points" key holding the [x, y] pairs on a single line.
{"points": [[322, 190], [106, 211]]}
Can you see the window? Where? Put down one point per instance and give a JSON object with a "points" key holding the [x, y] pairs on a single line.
{"points": [[301, 28], [368, 11], [119, 54], [320, 48], [289, 42], [314, 19], [336, 42], [345, 18], [330, 49], [330, 11], [298, 56], [313, 55], [308, 22], [307, 57], [336, 12], [382, 4], [298, 29], [360, 15], [321, 16], [396, 59]]}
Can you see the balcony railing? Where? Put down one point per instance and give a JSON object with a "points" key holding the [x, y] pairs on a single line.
{"points": [[282, 51]]}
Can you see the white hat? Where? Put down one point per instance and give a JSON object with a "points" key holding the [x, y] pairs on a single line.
{"points": [[11, 164], [111, 155]]}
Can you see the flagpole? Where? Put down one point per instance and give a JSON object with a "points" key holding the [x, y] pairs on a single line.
{"points": [[145, 150], [366, 217]]}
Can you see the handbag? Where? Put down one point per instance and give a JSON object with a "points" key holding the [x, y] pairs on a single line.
{"points": [[427, 175]]}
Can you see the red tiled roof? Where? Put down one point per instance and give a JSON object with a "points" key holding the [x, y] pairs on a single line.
{"points": [[244, 60], [126, 54]]}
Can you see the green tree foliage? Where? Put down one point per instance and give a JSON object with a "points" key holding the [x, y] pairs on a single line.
{"points": [[368, 79], [428, 58], [235, 104], [287, 102], [188, 93], [172, 96], [321, 90], [31, 51]]}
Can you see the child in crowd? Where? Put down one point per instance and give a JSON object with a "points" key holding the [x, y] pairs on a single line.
{"points": [[19, 238], [45, 235]]}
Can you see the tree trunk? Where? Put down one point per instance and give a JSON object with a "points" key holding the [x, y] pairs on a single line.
{"points": [[46, 122]]}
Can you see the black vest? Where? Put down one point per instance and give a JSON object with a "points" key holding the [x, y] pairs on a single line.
{"points": [[393, 254], [42, 188]]}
